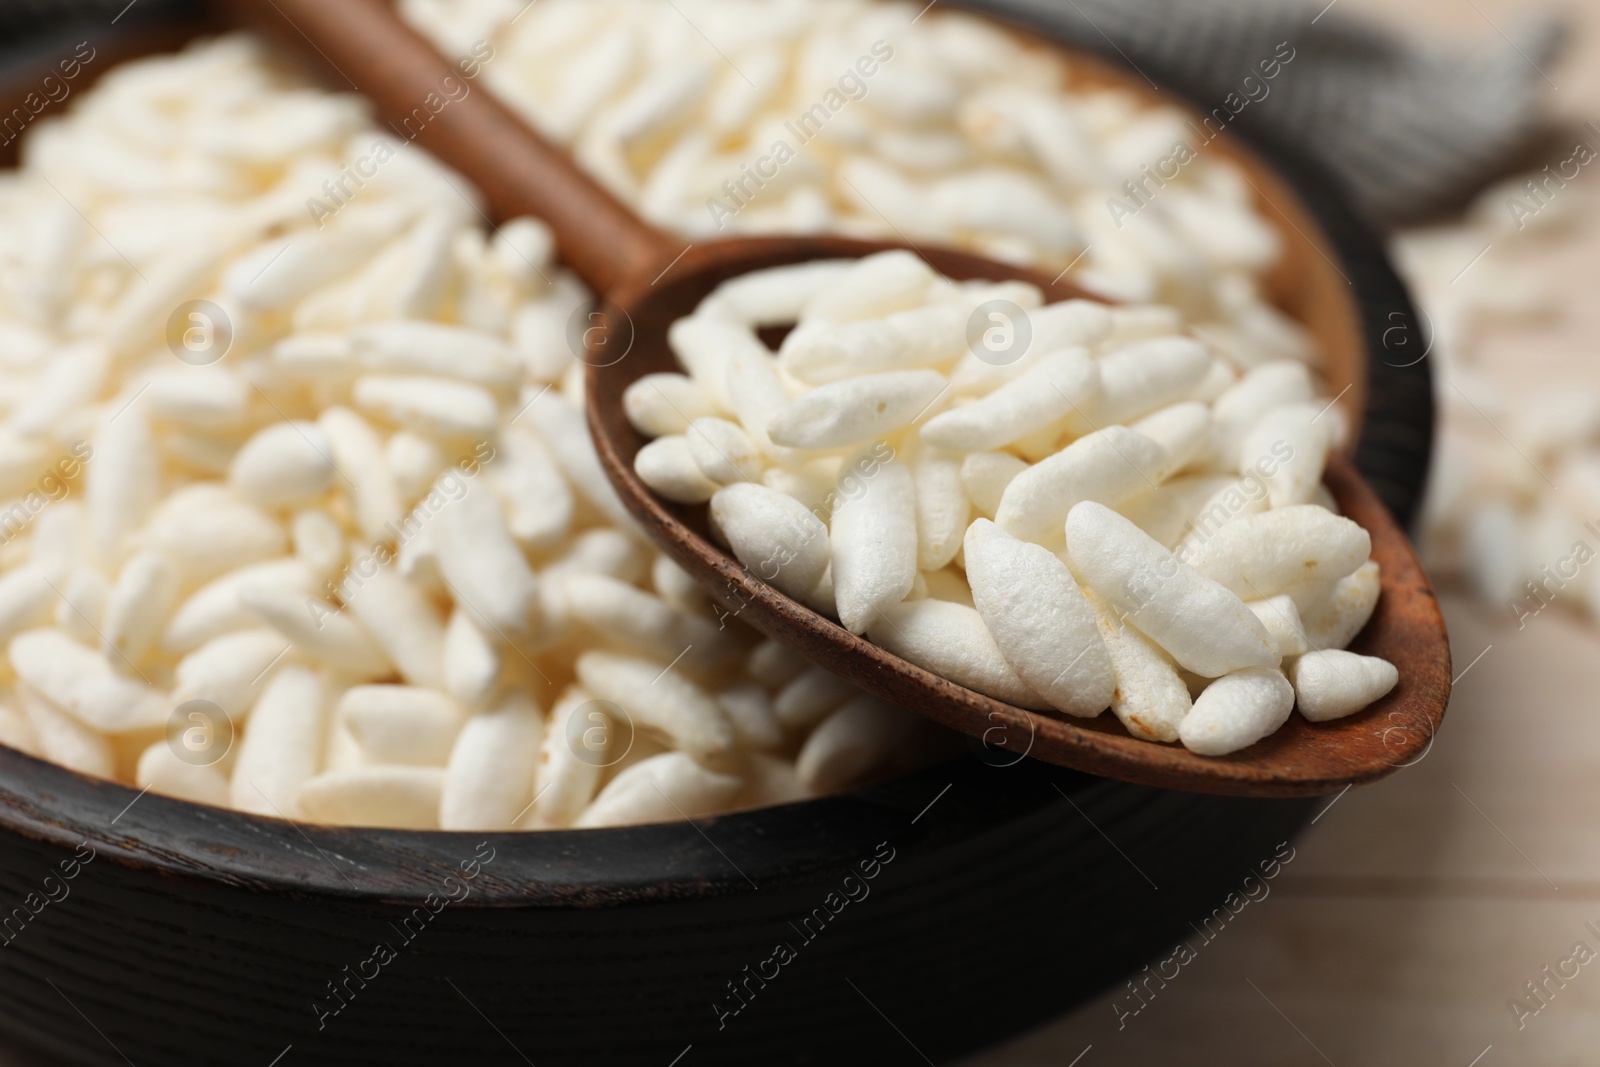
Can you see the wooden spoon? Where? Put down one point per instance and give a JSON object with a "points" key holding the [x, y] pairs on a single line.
{"points": [[648, 280]]}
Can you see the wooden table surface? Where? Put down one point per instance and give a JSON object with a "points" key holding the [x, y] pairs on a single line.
{"points": [[1416, 909]]}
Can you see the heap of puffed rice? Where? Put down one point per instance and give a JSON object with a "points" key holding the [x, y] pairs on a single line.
{"points": [[1111, 516], [884, 120], [293, 451]]}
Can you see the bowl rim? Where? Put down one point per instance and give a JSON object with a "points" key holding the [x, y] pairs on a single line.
{"points": [[59, 808], [710, 856]]}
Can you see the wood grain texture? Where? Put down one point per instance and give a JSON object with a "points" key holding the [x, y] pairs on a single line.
{"points": [[197, 936]]}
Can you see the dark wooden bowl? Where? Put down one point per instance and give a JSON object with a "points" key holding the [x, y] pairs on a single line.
{"points": [[195, 935]]}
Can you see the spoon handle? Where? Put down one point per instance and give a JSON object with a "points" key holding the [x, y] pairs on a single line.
{"points": [[446, 108]]}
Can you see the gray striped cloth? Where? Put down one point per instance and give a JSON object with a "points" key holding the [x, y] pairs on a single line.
{"points": [[1409, 127]]}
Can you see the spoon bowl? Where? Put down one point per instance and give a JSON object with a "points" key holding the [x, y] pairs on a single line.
{"points": [[1301, 758], [648, 280]]}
